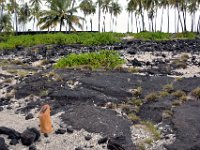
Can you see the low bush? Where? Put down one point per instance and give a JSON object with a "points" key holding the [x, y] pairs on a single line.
{"points": [[196, 93], [104, 59], [11, 42]]}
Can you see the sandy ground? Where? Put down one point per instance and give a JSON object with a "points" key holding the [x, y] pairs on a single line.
{"points": [[54, 142]]}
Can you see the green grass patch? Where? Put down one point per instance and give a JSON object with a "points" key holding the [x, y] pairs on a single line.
{"points": [[150, 126], [11, 42], [164, 36], [104, 59]]}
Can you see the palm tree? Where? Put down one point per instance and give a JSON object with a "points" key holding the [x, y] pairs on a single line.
{"points": [[88, 8], [2, 7], [164, 4], [105, 8], [5, 23], [24, 14], [59, 12], [115, 9], [99, 3], [192, 8], [35, 10], [13, 8]]}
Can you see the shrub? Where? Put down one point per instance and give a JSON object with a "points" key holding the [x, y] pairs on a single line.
{"points": [[11, 42], [150, 126], [179, 94], [168, 88], [135, 102], [103, 59], [151, 97], [133, 117], [184, 57], [196, 93], [152, 36], [163, 93]]}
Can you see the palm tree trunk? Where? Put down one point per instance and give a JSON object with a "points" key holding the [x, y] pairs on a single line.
{"points": [[61, 22], [99, 18], [155, 28], [136, 22], [104, 23], [143, 23], [175, 24], [91, 24], [198, 25], [113, 25], [161, 24], [2, 9], [111, 17], [128, 21], [192, 22], [16, 20], [131, 21], [179, 18], [73, 3], [168, 18]]}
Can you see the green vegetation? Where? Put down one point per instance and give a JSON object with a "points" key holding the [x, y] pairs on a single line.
{"points": [[178, 63], [163, 36], [196, 93], [12, 42], [133, 117], [163, 93], [179, 93], [184, 57], [150, 126], [137, 92], [168, 88], [104, 59], [152, 96], [87, 39], [135, 102]]}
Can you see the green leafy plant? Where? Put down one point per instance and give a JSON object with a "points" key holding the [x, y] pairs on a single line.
{"points": [[105, 59]]}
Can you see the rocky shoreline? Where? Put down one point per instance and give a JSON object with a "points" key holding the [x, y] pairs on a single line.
{"points": [[146, 104]]}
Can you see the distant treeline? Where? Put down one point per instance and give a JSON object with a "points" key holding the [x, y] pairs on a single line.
{"points": [[49, 14]]}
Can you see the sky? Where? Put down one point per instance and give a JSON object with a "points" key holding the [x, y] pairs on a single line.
{"points": [[122, 20]]}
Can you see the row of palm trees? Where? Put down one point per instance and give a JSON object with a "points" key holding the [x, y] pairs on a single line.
{"points": [[182, 7], [48, 14]]}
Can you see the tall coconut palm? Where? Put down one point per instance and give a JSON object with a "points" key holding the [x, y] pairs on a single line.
{"points": [[5, 23], [99, 3], [193, 8], [164, 4], [2, 4], [60, 11], [24, 14], [115, 9], [88, 8], [13, 8], [105, 8], [35, 10]]}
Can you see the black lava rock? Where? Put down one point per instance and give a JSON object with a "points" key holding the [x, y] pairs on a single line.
{"points": [[88, 137], [32, 147], [135, 62], [14, 142], [60, 131], [12, 134], [29, 116], [1, 108], [112, 145], [70, 129], [78, 148], [3, 145], [29, 136], [103, 140]]}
